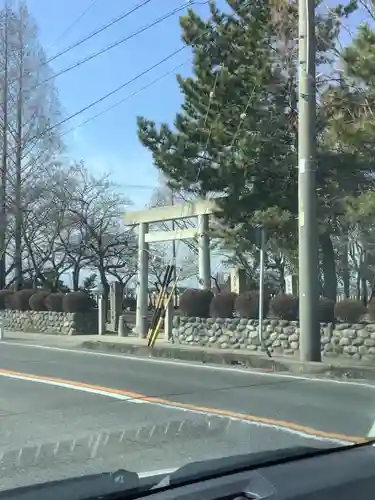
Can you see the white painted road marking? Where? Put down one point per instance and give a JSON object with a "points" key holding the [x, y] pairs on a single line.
{"points": [[275, 424], [190, 364]]}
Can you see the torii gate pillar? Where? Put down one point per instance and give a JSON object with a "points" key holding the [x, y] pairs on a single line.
{"points": [[142, 282]]}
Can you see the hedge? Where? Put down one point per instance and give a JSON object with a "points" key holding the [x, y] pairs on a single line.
{"points": [[202, 303], [42, 300], [196, 303], [37, 300], [76, 302], [247, 305], [222, 305]]}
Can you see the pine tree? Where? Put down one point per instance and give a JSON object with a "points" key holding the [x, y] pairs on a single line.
{"points": [[242, 142], [231, 132]]}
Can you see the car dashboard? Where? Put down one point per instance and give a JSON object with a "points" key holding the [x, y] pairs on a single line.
{"points": [[300, 474], [343, 475]]}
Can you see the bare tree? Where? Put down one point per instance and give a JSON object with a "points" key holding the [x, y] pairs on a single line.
{"points": [[32, 108], [96, 235], [4, 20], [42, 223]]}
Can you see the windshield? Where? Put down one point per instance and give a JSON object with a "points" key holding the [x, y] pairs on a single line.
{"points": [[67, 413], [187, 267]]}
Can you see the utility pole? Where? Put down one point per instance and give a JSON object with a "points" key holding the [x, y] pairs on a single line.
{"points": [[175, 296], [307, 224], [4, 159]]}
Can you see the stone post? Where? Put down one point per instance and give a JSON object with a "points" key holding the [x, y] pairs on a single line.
{"points": [[115, 303], [237, 280], [168, 320], [101, 315]]}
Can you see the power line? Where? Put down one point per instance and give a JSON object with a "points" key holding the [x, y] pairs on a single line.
{"points": [[34, 139], [106, 96], [98, 31], [128, 97], [115, 44], [76, 21], [117, 89], [74, 45]]}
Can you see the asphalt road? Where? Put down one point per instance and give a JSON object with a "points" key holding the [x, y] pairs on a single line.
{"points": [[66, 413]]}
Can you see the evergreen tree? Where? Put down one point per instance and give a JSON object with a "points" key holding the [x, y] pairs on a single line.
{"points": [[231, 132], [236, 134]]}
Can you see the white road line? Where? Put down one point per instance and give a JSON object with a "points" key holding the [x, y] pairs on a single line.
{"points": [[190, 364], [66, 385], [156, 473], [172, 406]]}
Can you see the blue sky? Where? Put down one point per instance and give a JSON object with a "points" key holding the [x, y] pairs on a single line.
{"points": [[110, 143]]}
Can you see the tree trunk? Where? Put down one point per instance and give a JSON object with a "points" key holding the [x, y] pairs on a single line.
{"points": [[4, 173], [328, 267], [105, 285], [75, 277], [364, 291], [18, 183], [345, 270]]}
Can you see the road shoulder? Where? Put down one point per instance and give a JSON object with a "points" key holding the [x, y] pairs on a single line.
{"points": [[339, 369]]}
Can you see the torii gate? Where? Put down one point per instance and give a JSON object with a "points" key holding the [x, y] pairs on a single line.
{"points": [[202, 210]]}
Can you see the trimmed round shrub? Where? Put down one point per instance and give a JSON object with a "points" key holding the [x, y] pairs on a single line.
{"points": [[20, 301], [349, 310], [9, 302], [53, 302], [3, 296], [76, 302], [326, 310], [371, 309], [285, 306], [37, 301], [247, 305], [196, 303], [92, 303], [222, 305]]}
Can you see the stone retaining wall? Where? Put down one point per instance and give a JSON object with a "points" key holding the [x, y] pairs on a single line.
{"points": [[356, 341], [52, 322]]}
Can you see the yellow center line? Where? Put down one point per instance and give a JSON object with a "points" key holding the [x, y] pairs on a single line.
{"points": [[282, 424]]}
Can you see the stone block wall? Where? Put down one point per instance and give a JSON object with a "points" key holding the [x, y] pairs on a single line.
{"points": [[51, 322], [356, 341]]}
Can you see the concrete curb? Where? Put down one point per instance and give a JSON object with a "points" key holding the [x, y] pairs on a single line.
{"points": [[235, 358]]}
